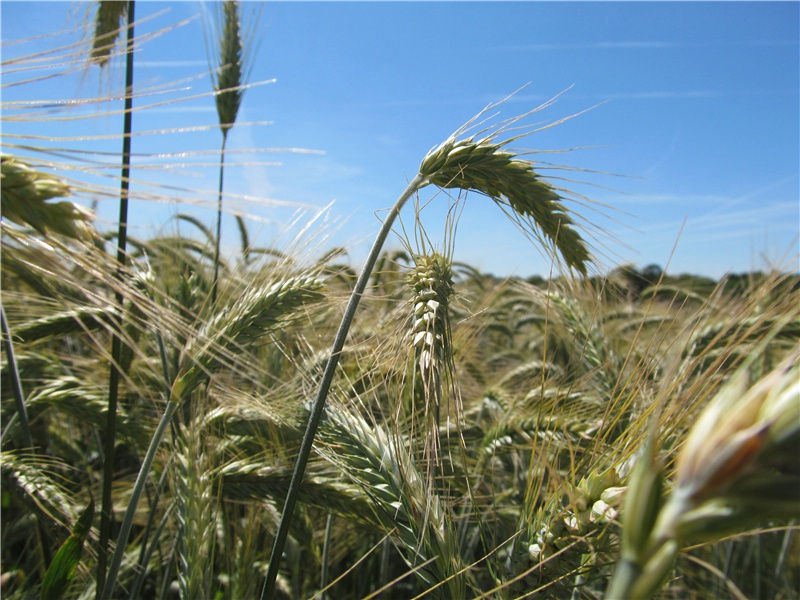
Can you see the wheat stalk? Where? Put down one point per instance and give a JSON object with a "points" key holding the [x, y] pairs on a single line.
{"points": [[228, 92]]}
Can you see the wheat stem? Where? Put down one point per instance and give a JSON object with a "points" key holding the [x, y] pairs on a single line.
{"points": [[268, 589], [106, 514], [19, 398], [127, 521], [219, 218]]}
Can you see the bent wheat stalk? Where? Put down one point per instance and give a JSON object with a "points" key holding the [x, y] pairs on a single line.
{"points": [[480, 165]]}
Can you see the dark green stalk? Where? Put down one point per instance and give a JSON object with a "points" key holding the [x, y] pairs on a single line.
{"points": [[22, 413], [106, 513], [219, 218], [16, 384], [268, 590]]}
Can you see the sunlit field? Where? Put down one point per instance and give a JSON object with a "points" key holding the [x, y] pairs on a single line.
{"points": [[186, 416]]}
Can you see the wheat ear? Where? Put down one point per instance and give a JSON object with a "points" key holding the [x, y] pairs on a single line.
{"points": [[106, 29], [431, 281], [484, 166], [251, 317], [737, 469], [401, 498], [470, 165], [194, 489]]}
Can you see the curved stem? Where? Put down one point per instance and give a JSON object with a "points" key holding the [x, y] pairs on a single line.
{"points": [[268, 589]]}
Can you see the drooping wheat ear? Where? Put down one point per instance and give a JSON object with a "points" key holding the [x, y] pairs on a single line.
{"points": [[228, 74], [432, 283], [737, 469], [471, 165], [251, 317], [196, 508], [37, 479], [484, 166], [25, 195], [106, 29]]}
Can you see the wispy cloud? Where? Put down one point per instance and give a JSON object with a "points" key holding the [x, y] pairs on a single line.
{"points": [[662, 95], [158, 64], [655, 199], [777, 217], [640, 45]]}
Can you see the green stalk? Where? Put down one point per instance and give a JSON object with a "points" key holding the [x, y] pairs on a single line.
{"points": [[22, 413], [268, 590], [323, 577], [19, 398], [141, 478], [106, 514], [219, 218]]}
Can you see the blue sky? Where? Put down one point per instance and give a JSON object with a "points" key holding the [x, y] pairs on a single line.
{"points": [[692, 141]]}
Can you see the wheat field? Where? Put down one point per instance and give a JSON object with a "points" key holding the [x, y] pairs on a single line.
{"points": [[625, 434]]}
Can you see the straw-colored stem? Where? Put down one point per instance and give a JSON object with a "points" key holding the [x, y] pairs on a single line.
{"points": [[327, 377]]}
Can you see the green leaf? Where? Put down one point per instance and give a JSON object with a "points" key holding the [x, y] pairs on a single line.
{"points": [[60, 571]]}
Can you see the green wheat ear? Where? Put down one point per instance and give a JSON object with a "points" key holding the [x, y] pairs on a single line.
{"points": [[483, 166], [26, 193], [106, 30], [228, 75]]}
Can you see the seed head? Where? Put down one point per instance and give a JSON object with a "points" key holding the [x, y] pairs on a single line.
{"points": [[228, 75], [482, 165]]}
